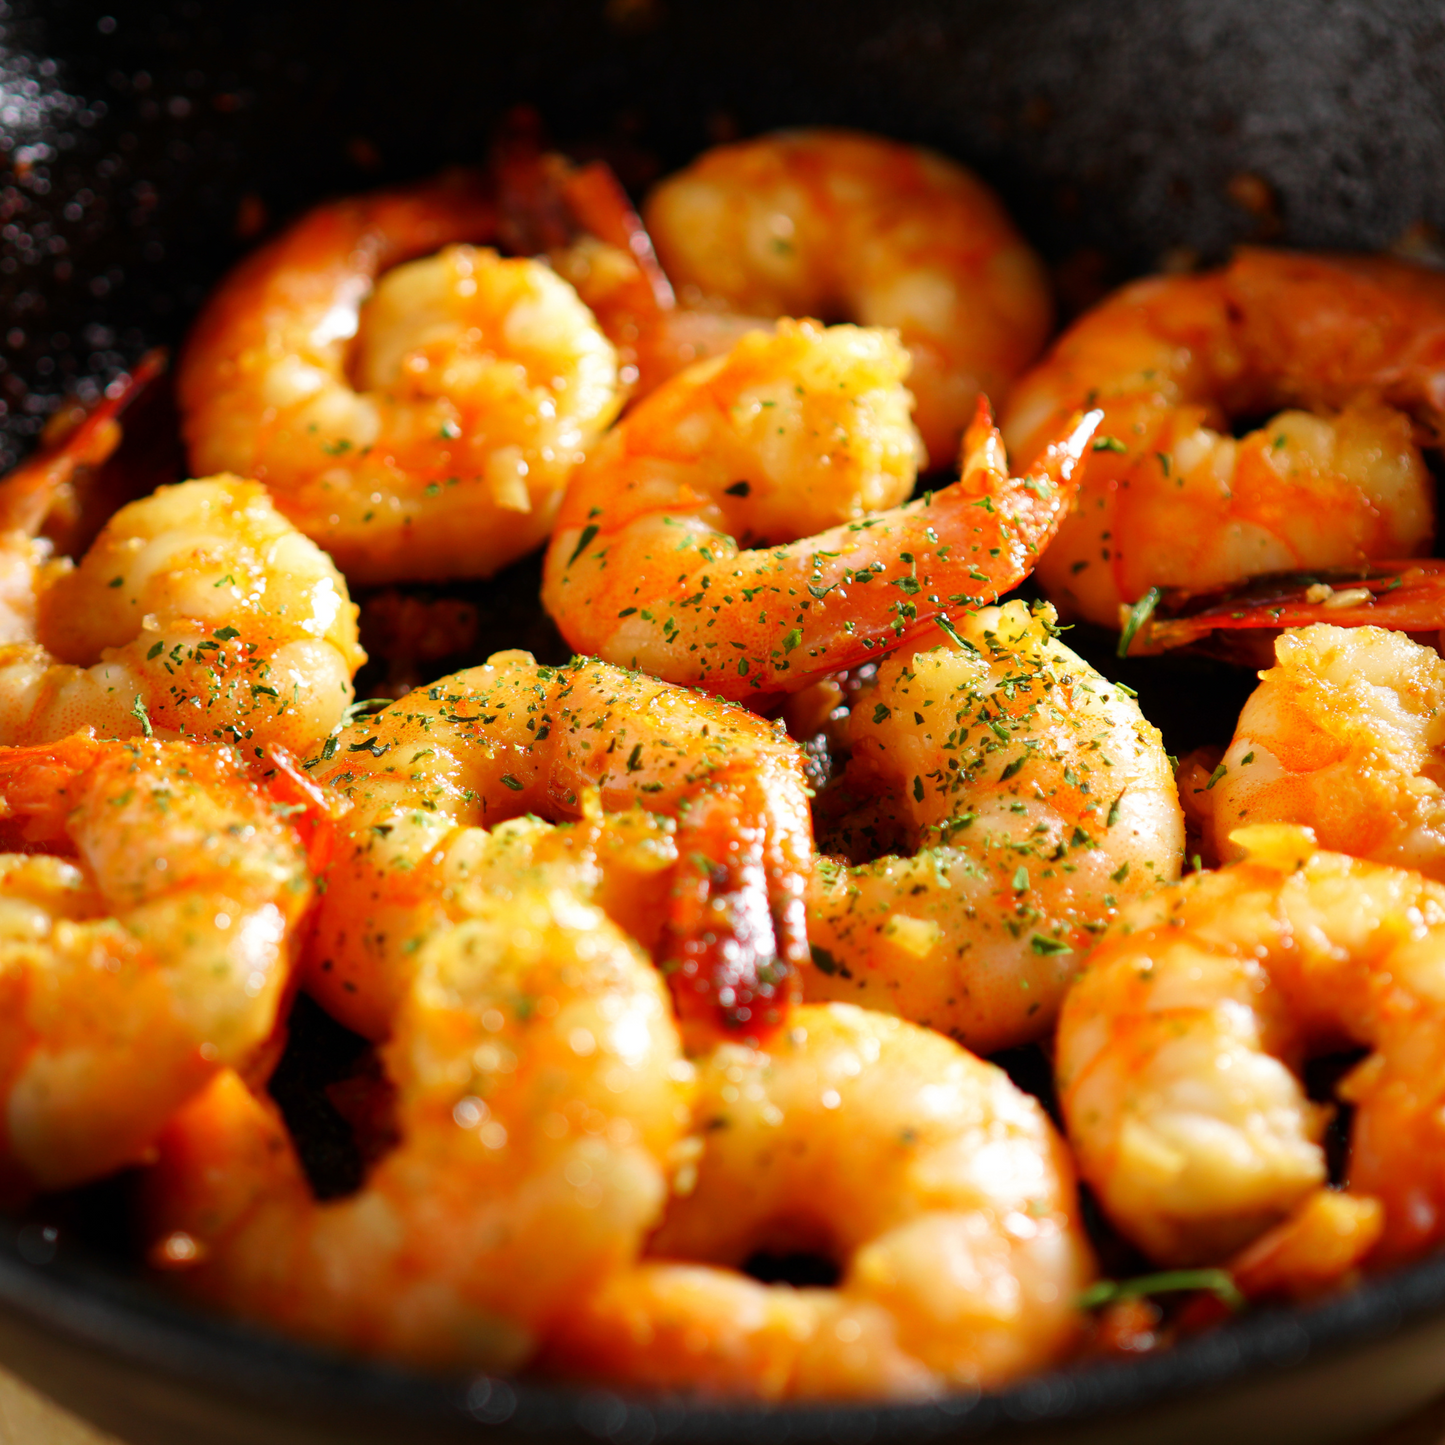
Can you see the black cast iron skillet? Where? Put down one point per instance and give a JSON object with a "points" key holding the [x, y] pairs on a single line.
{"points": [[146, 146]]}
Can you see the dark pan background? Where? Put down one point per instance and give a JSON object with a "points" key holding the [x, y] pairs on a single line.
{"points": [[145, 146], [1112, 129]]}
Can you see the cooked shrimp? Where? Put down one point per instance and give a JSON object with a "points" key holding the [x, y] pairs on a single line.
{"points": [[835, 224], [1408, 596], [540, 1088], [939, 1187], [44, 485], [613, 267], [147, 932], [511, 738], [653, 341], [1346, 735], [1175, 500], [1315, 1249], [582, 220], [1179, 1048], [199, 611], [420, 423], [1034, 800], [802, 434]]}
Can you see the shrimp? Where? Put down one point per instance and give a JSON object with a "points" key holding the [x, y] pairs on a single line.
{"points": [[1407, 595], [1034, 800], [582, 220], [1346, 735], [512, 738], [1179, 1048], [836, 224], [478, 382], [148, 926], [45, 484], [613, 267], [1175, 501], [655, 339], [540, 1089], [939, 1187], [198, 611], [802, 434]]}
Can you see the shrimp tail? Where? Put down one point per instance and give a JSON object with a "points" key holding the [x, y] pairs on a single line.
{"points": [[314, 811], [1061, 458], [1404, 596], [31, 491], [996, 525], [544, 201], [734, 939], [35, 781], [532, 211], [1034, 504], [983, 462], [217, 1159], [601, 206]]}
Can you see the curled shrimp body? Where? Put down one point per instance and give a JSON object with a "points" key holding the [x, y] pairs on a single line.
{"points": [[147, 933], [1031, 798], [511, 738], [1351, 346], [939, 1187], [801, 434], [1346, 735], [1179, 1048], [478, 381], [198, 611], [832, 223], [539, 1088]]}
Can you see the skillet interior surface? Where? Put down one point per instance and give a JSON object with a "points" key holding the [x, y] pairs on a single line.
{"points": [[146, 146]]}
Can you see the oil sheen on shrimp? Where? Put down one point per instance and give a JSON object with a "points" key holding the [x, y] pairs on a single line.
{"points": [[540, 1088], [1346, 735], [1349, 345], [938, 1187], [846, 226], [512, 738], [1031, 799], [149, 919], [803, 434], [1179, 1049], [199, 611], [419, 423]]}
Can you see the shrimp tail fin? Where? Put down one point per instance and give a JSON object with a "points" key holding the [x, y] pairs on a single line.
{"points": [[34, 781], [730, 952], [600, 205], [314, 810], [1028, 509], [532, 211], [1054, 477], [1404, 596], [1037, 503], [216, 1158], [983, 462], [31, 491]]}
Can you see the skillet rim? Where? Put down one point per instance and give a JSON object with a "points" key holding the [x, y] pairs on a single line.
{"points": [[134, 1323], [97, 1308]]}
